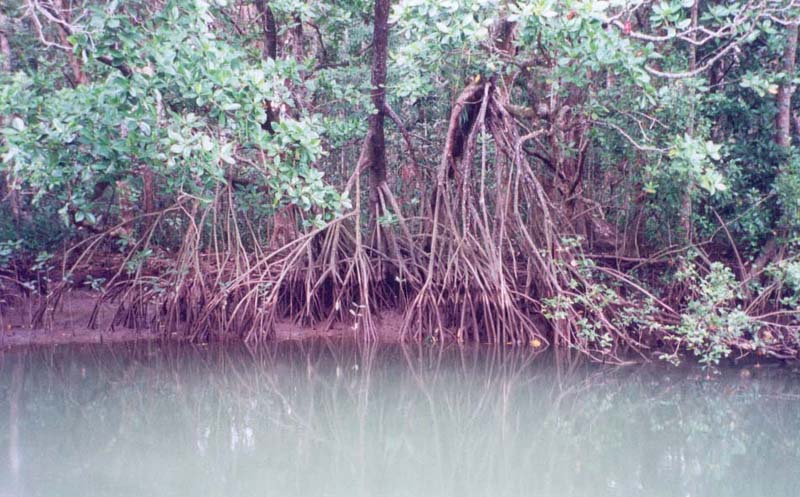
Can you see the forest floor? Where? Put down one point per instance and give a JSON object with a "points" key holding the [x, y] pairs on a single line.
{"points": [[69, 324]]}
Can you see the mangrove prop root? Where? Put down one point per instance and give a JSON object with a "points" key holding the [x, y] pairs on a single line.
{"points": [[489, 264]]}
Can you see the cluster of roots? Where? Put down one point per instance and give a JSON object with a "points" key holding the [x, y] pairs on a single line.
{"points": [[486, 262]]}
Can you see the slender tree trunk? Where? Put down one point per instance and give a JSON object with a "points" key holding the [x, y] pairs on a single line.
{"points": [[63, 13], [149, 203], [298, 38], [7, 190], [148, 190], [267, 20], [783, 120], [686, 200], [783, 133], [270, 51], [796, 121], [5, 47], [377, 145], [298, 50], [284, 228]]}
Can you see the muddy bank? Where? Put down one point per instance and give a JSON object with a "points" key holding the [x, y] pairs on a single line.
{"points": [[68, 324]]}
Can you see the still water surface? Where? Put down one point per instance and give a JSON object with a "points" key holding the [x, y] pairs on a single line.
{"points": [[334, 419]]}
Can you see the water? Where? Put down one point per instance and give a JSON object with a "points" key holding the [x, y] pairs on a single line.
{"points": [[332, 419]]}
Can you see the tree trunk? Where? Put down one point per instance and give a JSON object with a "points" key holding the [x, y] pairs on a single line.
{"points": [[267, 20], [148, 190], [63, 13], [284, 229], [5, 48], [377, 145], [783, 120], [298, 50], [783, 135], [7, 190], [686, 200], [270, 51]]}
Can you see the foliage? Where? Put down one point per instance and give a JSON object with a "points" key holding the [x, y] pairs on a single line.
{"points": [[712, 322], [613, 168]]}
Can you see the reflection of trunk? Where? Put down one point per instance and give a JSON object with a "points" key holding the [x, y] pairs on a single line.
{"points": [[783, 120], [17, 377]]}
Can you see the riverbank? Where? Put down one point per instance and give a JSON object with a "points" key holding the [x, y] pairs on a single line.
{"points": [[69, 325]]}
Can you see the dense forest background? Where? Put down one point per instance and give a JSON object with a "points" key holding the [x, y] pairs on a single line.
{"points": [[615, 177]]}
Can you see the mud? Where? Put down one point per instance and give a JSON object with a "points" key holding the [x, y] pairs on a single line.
{"points": [[68, 324]]}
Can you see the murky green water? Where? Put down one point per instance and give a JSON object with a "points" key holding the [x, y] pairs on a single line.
{"points": [[335, 420]]}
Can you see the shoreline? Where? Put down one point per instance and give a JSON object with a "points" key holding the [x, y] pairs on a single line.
{"points": [[68, 326]]}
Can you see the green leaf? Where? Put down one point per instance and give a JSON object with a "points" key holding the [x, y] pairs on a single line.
{"points": [[18, 124], [144, 128]]}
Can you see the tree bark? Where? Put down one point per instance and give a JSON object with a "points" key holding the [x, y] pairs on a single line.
{"points": [[783, 136], [377, 145], [267, 20], [270, 51], [7, 190], [5, 47], [63, 13], [686, 200], [298, 50], [783, 120]]}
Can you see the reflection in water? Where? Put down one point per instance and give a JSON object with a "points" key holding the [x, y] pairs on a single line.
{"points": [[335, 419], [13, 395]]}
